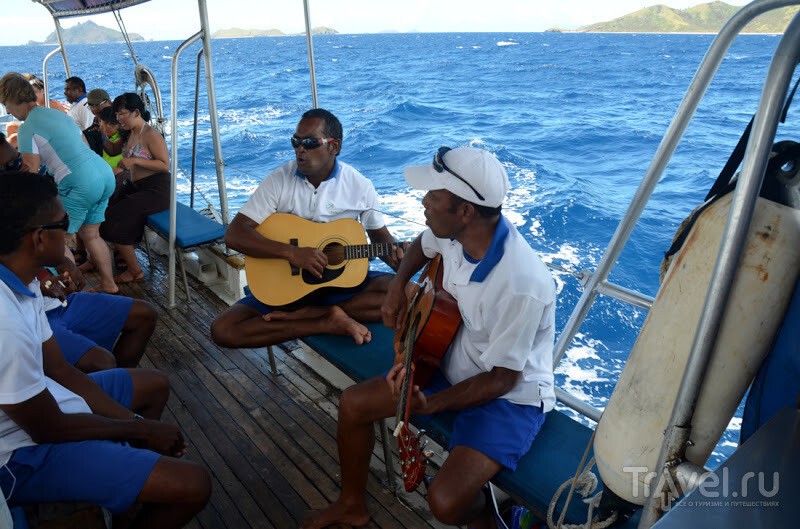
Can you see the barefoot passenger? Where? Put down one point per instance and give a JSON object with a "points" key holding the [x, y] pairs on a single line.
{"points": [[317, 187], [64, 435], [497, 375]]}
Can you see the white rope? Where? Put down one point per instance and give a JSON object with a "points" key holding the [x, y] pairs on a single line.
{"points": [[585, 483]]}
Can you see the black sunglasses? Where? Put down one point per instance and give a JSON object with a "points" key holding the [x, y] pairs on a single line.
{"points": [[62, 224], [440, 166], [310, 143], [13, 165]]}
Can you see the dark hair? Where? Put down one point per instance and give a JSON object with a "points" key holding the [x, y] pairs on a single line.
{"points": [[109, 116], [333, 127], [130, 102], [483, 211], [24, 197], [77, 82], [2, 138]]}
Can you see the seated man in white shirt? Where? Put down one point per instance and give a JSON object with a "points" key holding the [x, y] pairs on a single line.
{"points": [[497, 375], [317, 187], [64, 435]]}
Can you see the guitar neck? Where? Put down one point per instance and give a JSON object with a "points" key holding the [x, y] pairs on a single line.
{"points": [[368, 251], [404, 398]]}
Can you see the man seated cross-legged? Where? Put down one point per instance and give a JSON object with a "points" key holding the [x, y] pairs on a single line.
{"points": [[497, 375], [317, 187], [64, 435]]}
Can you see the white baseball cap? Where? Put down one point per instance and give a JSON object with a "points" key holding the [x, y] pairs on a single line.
{"points": [[473, 174]]}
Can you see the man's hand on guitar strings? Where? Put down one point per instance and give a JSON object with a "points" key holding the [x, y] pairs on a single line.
{"points": [[398, 251], [395, 378], [311, 259]]}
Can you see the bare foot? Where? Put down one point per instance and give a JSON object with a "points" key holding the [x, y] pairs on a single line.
{"points": [[341, 323], [334, 514]]}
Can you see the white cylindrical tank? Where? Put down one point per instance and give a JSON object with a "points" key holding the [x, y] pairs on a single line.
{"points": [[631, 430]]}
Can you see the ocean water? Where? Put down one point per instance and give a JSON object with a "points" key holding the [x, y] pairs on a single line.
{"points": [[575, 119]]}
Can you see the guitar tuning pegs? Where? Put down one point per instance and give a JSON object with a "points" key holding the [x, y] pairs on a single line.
{"points": [[421, 434], [427, 454]]}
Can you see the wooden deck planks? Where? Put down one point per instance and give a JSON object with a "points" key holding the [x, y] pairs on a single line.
{"points": [[268, 441]]}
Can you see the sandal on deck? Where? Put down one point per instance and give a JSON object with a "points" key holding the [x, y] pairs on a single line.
{"points": [[128, 277]]}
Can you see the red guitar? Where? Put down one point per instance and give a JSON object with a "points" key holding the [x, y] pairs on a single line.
{"points": [[427, 330]]}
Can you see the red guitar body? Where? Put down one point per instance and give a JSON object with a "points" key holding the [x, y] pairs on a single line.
{"points": [[428, 329]]}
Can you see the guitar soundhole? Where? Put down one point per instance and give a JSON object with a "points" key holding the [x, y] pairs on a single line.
{"points": [[335, 253]]}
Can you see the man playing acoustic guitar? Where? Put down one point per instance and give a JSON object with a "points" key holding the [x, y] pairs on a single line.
{"points": [[314, 186], [496, 377]]}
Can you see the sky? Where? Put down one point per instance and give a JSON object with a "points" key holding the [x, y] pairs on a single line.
{"points": [[24, 20]]}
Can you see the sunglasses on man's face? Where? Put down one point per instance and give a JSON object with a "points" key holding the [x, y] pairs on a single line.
{"points": [[310, 143], [62, 224], [439, 166], [13, 165]]}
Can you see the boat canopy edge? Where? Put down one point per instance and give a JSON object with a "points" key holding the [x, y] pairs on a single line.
{"points": [[74, 8]]}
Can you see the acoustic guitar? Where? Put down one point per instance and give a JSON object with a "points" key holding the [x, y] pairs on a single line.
{"points": [[428, 328], [276, 282]]}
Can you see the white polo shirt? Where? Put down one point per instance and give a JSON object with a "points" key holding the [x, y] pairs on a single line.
{"points": [[82, 114], [23, 329], [507, 304], [345, 194]]}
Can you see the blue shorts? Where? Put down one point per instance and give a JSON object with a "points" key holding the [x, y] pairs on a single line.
{"points": [[106, 473], [89, 319], [498, 429], [85, 195], [323, 296]]}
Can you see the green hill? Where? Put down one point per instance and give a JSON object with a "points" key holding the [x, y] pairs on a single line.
{"points": [[89, 33], [703, 18]]}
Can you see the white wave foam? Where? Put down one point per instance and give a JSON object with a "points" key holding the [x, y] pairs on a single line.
{"points": [[507, 43]]}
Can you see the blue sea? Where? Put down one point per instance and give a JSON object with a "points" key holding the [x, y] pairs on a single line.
{"points": [[575, 118]]}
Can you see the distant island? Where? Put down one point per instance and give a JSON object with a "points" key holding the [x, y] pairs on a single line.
{"points": [[88, 33], [703, 18], [232, 33]]}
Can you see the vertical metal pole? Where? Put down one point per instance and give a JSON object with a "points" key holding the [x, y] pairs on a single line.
{"points": [[44, 76], [212, 111], [310, 45], [63, 49], [194, 126], [173, 161]]}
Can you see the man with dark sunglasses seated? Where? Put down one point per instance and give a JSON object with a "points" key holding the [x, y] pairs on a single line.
{"points": [[317, 187]]}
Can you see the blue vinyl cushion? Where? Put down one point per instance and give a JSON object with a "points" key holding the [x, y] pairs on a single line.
{"points": [[192, 227]]}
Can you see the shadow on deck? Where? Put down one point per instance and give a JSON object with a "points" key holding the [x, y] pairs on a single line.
{"points": [[268, 441]]}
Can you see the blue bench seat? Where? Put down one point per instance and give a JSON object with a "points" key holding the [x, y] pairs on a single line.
{"points": [[192, 228]]}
